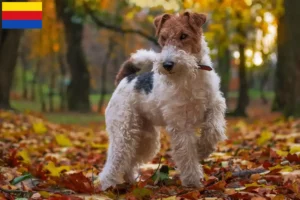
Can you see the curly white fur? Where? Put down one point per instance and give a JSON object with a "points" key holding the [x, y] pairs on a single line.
{"points": [[183, 101], [143, 57]]}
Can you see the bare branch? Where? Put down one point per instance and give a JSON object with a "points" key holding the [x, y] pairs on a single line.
{"points": [[248, 172], [118, 29]]}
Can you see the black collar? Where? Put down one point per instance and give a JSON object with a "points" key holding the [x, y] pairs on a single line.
{"points": [[204, 67]]}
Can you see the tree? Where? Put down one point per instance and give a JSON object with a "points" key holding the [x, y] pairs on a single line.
{"points": [[9, 43], [105, 64], [79, 88], [243, 98], [287, 86]]}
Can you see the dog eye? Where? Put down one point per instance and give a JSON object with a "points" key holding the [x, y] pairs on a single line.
{"points": [[163, 38], [183, 36]]}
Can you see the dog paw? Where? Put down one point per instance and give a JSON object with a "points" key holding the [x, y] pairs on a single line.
{"points": [[106, 182], [192, 179], [192, 183], [130, 177]]}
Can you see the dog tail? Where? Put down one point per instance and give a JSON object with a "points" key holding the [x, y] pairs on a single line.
{"points": [[135, 63]]}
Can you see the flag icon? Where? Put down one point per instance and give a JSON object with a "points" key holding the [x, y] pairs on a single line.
{"points": [[22, 15]]}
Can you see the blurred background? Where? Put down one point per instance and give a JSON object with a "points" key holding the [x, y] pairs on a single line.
{"points": [[69, 65]]}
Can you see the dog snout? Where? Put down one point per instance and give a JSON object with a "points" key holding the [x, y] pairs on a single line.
{"points": [[168, 65]]}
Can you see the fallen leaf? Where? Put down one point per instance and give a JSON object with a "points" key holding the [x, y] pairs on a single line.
{"points": [[39, 128], [170, 198], [264, 137], [24, 155], [63, 140], [55, 171], [294, 149], [20, 179], [191, 195], [141, 193], [77, 182], [99, 146], [279, 197]]}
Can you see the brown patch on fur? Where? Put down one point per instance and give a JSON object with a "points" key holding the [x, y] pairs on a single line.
{"points": [[127, 68], [183, 31], [159, 21]]}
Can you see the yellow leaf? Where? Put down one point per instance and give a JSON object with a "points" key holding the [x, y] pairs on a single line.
{"points": [[63, 140], [279, 197], [259, 185], [99, 146], [282, 153], [241, 125], [295, 149], [283, 168], [150, 18], [130, 15], [287, 169], [44, 194], [216, 27], [55, 171], [264, 137], [25, 156], [39, 128]]}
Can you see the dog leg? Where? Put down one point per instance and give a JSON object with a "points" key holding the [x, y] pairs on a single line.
{"points": [[150, 144], [184, 148], [148, 147], [213, 128], [124, 141]]}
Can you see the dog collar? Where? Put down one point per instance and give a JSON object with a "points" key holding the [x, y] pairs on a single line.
{"points": [[204, 67]]}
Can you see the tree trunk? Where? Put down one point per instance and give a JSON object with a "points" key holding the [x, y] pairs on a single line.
{"points": [[224, 69], [39, 80], [104, 74], [34, 81], [243, 98], [62, 90], [79, 88], [9, 43], [287, 85], [264, 80], [25, 66], [51, 91]]}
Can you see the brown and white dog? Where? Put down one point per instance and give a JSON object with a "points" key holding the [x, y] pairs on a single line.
{"points": [[181, 93]]}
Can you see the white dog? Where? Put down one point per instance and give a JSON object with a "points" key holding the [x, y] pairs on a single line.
{"points": [[182, 94]]}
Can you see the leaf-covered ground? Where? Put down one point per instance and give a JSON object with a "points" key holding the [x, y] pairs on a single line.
{"points": [[41, 160]]}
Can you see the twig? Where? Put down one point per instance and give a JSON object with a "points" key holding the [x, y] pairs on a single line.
{"points": [[156, 168], [119, 29], [14, 191], [248, 172]]}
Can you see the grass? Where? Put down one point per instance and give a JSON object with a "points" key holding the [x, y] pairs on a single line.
{"points": [[74, 118], [86, 118], [62, 117], [253, 94]]}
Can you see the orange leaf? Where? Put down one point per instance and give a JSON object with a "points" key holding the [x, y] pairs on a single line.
{"points": [[77, 182]]}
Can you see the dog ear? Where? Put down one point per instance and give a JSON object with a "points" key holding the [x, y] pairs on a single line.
{"points": [[159, 21], [196, 20]]}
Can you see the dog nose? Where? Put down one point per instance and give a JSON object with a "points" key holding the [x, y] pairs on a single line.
{"points": [[168, 65]]}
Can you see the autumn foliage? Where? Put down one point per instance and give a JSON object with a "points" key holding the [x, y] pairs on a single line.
{"points": [[43, 160]]}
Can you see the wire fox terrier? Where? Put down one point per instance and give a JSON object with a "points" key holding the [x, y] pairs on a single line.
{"points": [[181, 93]]}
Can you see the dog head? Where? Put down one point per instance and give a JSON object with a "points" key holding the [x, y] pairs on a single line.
{"points": [[179, 36]]}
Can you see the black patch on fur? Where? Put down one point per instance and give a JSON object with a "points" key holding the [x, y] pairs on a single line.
{"points": [[144, 82], [130, 77]]}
